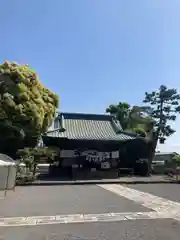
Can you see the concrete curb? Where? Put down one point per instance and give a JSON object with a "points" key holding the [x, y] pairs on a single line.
{"points": [[59, 183]]}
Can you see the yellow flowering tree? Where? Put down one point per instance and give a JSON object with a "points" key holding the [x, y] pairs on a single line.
{"points": [[27, 108]]}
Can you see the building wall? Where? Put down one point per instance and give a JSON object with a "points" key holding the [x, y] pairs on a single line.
{"points": [[92, 156], [163, 157], [100, 156], [162, 163]]}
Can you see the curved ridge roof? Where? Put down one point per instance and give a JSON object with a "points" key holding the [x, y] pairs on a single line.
{"points": [[82, 126]]}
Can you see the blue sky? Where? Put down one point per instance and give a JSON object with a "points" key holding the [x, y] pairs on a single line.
{"points": [[95, 52]]}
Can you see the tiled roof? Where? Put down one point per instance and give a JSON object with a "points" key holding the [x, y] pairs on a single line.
{"points": [[89, 127]]}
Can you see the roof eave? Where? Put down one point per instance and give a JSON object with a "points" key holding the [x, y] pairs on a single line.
{"points": [[57, 129]]}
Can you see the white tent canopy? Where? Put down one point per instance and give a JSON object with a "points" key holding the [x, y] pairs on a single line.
{"points": [[7, 172], [6, 158], [5, 163]]}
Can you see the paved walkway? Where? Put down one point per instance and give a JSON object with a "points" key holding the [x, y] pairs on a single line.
{"points": [[122, 180], [167, 208], [2, 194], [104, 211], [162, 209], [80, 218]]}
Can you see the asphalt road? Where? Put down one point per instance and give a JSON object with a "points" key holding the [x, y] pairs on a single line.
{"points": [[53, 200], [104, 210], [168, 191], [128, 230]]}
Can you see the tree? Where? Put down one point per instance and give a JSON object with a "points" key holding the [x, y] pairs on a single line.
{"points": [[140, 131], [164, 105], [132, 119], [140, 121], [25, 156], [121, 111], [176, 160], [11, 137], [27, 108], [32, 156]]}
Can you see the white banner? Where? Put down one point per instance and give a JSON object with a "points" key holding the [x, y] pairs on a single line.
{"points": [[91, 155]]}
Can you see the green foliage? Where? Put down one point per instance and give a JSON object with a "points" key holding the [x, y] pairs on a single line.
{"points": [[176, 159], [37, 152], [153, 120], [140, 131], [139, 117], [164, 105], [133, 118], [6, 129], [31, 156], [25, 156], [25, 104], [121, 111]]}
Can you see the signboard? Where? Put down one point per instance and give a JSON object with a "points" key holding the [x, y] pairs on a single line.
{"points": [[105, 165], [91, 155]]}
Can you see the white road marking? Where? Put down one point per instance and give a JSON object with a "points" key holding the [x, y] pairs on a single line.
{"points": [[169, 209], [2, 193], [78, 218], [163, 209]]}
